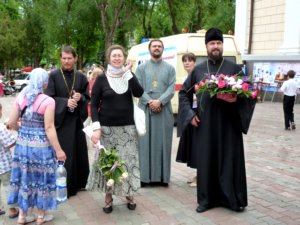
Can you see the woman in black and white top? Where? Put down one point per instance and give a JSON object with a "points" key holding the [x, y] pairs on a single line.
{"points": [[113, 124]]}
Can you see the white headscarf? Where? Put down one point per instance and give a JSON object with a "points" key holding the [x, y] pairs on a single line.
{"points": [[116, 80], [37, 78]]}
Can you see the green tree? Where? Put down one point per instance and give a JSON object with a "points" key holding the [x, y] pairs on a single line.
{"points": [[32, 32], [33, 42], [11, 35], [71, 22], [116, 14], [221, 14]]}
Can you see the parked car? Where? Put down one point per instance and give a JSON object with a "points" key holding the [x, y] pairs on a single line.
{"points": [[21, 81]]}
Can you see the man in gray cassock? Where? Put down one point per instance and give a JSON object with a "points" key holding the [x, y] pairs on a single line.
{"points": [[157, 77]]}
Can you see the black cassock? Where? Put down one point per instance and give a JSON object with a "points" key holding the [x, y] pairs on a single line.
{"points": [[69, 126], [218, 140]]}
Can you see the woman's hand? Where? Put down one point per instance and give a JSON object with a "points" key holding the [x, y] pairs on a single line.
{"points": [[61, 156], [96, 136], [128, 65]]}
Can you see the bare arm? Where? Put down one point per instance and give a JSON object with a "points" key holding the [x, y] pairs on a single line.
{"points": [[52, 136], [12, 122]]}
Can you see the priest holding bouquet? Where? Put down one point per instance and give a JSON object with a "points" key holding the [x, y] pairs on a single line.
{"points": [[220, 121]]}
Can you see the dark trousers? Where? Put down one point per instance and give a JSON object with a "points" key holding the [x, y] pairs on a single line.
{"points": [[288, 109]]}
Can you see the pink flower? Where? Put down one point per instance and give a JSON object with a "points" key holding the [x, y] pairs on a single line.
{"points": [[228, 84], [245, 87], [200, 83], [254, 94], [221, 84], [221, 76]]}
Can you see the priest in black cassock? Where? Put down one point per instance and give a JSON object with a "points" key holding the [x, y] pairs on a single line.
{"points": [[69, 88], [218, 135]]}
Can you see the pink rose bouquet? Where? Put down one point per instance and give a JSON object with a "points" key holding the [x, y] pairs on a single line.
{"points": [[225, 86]]}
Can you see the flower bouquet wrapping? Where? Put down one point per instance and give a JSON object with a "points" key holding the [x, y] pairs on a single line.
{"points": [[111, 167], [226, 87]]}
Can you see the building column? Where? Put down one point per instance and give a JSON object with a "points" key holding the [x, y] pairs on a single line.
{"points": [[291, 39], [241, 31]]}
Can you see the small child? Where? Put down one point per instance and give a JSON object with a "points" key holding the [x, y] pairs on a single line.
{"points": [[289, 89], [7, 140]]}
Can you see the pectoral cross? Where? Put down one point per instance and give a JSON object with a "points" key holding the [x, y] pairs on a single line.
{"points": [[154, 83]]}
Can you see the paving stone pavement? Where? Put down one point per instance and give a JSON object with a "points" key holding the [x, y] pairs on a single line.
{"points": [[273, 176]]}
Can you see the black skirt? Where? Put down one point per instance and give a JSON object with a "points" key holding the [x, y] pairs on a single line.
{"points": [[185, 153]]}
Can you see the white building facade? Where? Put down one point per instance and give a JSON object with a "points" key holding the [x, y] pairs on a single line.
{"points": [[268, 35]]}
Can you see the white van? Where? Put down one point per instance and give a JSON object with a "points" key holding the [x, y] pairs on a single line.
{"points": [[175, 47]]}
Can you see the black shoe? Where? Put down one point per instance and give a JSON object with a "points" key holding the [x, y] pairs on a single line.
{"points": [[240, 209], [108, 208], [201, 209], [164, 184], [81, 189], [293, 126], [131, 206], [287, 128]]}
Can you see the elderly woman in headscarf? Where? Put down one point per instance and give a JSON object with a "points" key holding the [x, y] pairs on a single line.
{"points": [[32, 182]]}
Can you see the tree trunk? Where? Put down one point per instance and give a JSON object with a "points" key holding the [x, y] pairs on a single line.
{"points": [[173, 16]]}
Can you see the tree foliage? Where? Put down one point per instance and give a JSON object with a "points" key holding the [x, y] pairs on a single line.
{"points": [[11, 35], [32, 32], [216, 9]]}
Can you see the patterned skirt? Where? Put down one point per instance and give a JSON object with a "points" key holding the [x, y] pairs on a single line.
{"points": [[32, 181], [124, 140]]}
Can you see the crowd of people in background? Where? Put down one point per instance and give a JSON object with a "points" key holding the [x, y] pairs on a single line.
{"points": [[65, 100]]}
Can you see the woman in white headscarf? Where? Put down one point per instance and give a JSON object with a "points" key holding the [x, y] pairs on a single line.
{"points": [[113, 125], [32, 182]]}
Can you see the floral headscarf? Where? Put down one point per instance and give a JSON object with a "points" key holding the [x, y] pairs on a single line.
{"points": [[38, 77]]}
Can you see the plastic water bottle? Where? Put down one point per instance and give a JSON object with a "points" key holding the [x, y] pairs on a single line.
{"points": [[61, 183]]}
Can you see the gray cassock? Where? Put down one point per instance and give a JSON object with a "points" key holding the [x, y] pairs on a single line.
{"points": [[158, 80]]}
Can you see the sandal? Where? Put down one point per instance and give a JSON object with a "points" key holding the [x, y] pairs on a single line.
{"points": [[130, 204], [193, 184], [43, 219], [13, 215], [189, 181], [26, 219], [192, 180], [108, 207]]}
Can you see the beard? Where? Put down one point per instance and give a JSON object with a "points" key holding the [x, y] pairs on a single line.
{"points": [[67, 67], [213, 55], [156, 55]]}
